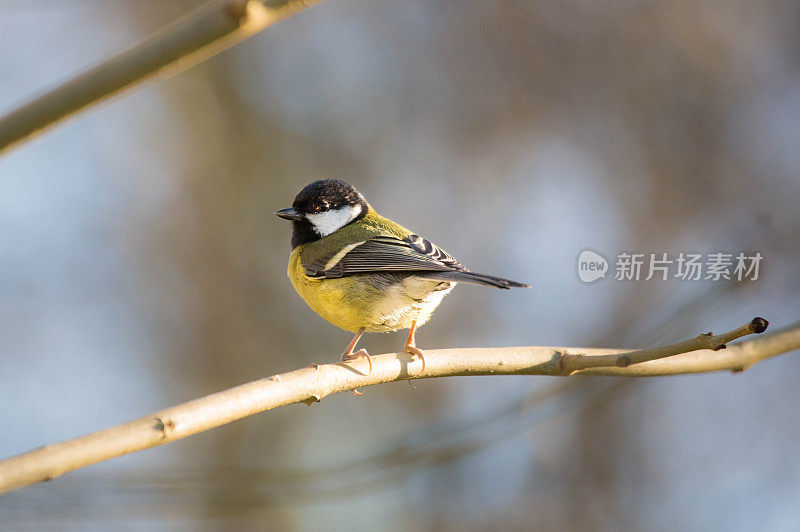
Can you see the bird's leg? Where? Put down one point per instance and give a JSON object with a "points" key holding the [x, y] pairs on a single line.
{"points": [[348, 352], [411, 347]]}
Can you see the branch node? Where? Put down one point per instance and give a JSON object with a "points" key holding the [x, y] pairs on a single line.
{"points": [[720, 346], [759, 325], [623, 361], [314, 398], [164, 426], [562, 362], [237, 10]]}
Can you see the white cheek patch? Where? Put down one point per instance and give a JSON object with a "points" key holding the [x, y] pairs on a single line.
{"points": [[327, 222]]}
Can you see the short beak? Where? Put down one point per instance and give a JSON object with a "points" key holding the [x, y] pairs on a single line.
{"points": [[289, 214]]}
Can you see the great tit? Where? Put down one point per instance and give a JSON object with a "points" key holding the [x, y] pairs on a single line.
{"points": [[363, 272]]}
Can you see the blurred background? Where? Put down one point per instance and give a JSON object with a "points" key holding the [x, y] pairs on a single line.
{"points": [[141, 265]]}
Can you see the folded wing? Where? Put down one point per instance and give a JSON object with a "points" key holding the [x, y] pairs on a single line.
{"points": [[413, 254]]}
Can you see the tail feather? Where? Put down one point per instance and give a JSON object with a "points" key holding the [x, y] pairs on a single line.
{"points": [[481, 279]]}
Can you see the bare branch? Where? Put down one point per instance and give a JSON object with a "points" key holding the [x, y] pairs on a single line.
{"points": [[196, 37], [574, 363], [310, 385]]}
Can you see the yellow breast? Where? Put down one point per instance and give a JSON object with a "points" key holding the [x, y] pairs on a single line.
{"points": [[353, 302]]}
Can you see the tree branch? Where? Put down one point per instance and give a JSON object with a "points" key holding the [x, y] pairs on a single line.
{"points": [[311, 384], [196, 37], [576, 363]]}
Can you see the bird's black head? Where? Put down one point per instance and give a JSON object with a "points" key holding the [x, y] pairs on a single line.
{"points": [[323, 207]]}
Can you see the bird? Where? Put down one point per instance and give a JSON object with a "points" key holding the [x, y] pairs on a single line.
{"points": [[363, 272]]}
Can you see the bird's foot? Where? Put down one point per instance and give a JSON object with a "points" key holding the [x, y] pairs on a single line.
{"points": [[361, 353], [416, 352]]}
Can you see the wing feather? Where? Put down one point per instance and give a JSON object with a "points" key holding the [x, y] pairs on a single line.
{"points": [[384, 254]]}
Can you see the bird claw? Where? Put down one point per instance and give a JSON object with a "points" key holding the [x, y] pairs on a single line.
{"points": [[361, 353], [416, 352]]}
